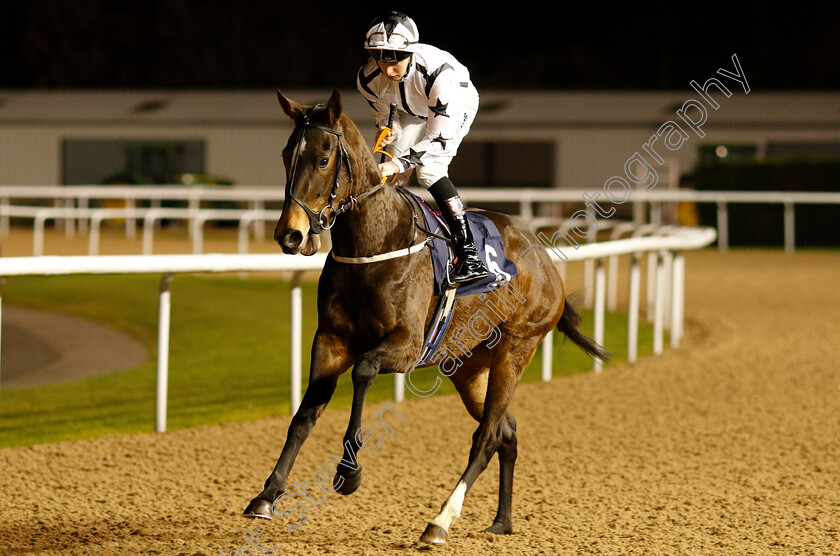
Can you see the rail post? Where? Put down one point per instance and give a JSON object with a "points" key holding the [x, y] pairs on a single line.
{"points": [[633, 309], [723, 225], [399, 387], [164, 310], [677, 298], [296, 370], [547, 356], [600, 308], [2, 281], [659, 306], [790, 227]]}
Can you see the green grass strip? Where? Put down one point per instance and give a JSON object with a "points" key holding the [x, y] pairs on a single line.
{"points": [[228, 360]]}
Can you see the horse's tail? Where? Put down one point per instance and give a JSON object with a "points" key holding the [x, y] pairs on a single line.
{"points": [[568, 325]]}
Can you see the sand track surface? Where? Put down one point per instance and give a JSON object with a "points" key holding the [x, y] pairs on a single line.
{"points": [[729, 444]]}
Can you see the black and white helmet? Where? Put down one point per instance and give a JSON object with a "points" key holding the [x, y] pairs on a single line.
{"points": [[391, 37]]}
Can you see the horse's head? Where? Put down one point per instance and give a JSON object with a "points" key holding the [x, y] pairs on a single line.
{"points": [[317, 171]]}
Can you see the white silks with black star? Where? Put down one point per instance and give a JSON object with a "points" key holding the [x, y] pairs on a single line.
{"points": [[436, 103]]}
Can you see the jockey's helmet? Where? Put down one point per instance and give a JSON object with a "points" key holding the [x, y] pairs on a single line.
{"points": [[391, 37]]}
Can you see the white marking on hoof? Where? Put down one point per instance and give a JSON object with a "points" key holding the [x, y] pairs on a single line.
{"points": [[452, 508]]}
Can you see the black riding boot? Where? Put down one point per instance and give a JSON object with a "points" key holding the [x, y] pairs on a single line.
{"points": [[467, 266]]}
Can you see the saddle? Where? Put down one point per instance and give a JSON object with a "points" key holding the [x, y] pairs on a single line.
{"points": [[491, 249], [488, 242]]}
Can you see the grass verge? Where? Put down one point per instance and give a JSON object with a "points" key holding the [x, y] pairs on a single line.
{"points": [[228, 361]]}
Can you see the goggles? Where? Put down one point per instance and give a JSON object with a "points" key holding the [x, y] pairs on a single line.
{"points": [[381, 40], [381, 55]]}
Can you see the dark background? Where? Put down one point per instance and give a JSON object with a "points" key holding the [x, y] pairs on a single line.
{"points": [[213, 44]]}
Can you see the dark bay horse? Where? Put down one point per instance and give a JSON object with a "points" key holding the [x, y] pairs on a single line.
{"points": [[373, 317]]}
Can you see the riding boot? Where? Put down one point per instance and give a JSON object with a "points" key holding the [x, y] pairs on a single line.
{"points": [[467, 266]]}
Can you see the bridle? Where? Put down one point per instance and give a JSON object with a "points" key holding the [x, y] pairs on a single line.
{"points": [[326, 217]]}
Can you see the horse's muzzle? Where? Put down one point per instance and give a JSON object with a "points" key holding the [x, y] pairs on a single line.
{"points": [[290, 241], [293, 241], [294, 233]]}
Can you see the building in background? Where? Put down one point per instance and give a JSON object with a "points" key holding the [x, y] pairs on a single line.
{"points": [[574, 140]]}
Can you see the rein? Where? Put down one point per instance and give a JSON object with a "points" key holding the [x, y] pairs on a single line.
{"points": [[404, 251], [325, 218]]}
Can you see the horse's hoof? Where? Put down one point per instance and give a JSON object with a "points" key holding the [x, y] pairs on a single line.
{"points": [[347, 484], [434, 534], [258, 508], [500, 528]]}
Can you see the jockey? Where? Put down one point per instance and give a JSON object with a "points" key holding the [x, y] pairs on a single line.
{"points": [[436, 103]]}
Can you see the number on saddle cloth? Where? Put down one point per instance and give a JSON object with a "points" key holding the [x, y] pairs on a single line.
{"points": [[488, 242]]}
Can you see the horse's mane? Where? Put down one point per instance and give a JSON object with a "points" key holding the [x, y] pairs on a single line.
{"points": [[361, 155]]}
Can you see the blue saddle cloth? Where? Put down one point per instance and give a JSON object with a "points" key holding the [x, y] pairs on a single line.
{"points": [[488, 242]]}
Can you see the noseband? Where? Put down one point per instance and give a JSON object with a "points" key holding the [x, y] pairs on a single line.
{"points": [[325, 218]]}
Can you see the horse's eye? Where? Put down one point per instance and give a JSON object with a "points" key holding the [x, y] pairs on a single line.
{"points": [[323, 162]]}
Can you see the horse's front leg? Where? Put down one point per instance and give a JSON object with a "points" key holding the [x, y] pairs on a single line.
{"points": [[330, 358], [395, 354]]}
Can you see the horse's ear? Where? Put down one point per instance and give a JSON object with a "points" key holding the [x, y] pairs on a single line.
{"points": [[290, 107], [334, 107]]}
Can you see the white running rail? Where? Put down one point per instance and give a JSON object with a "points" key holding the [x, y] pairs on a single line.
{"points": [[256, 196], [665, 249]]}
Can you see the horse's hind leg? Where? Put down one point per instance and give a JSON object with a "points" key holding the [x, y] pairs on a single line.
{"points": [[473, 388], [503, 523], [490, 436]]}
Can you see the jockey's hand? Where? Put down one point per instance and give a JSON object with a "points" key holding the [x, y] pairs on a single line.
{"points": [[388, 139], [388, 168]]}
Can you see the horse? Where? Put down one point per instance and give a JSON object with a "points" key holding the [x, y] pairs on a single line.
{"points": [[373, 316]]}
